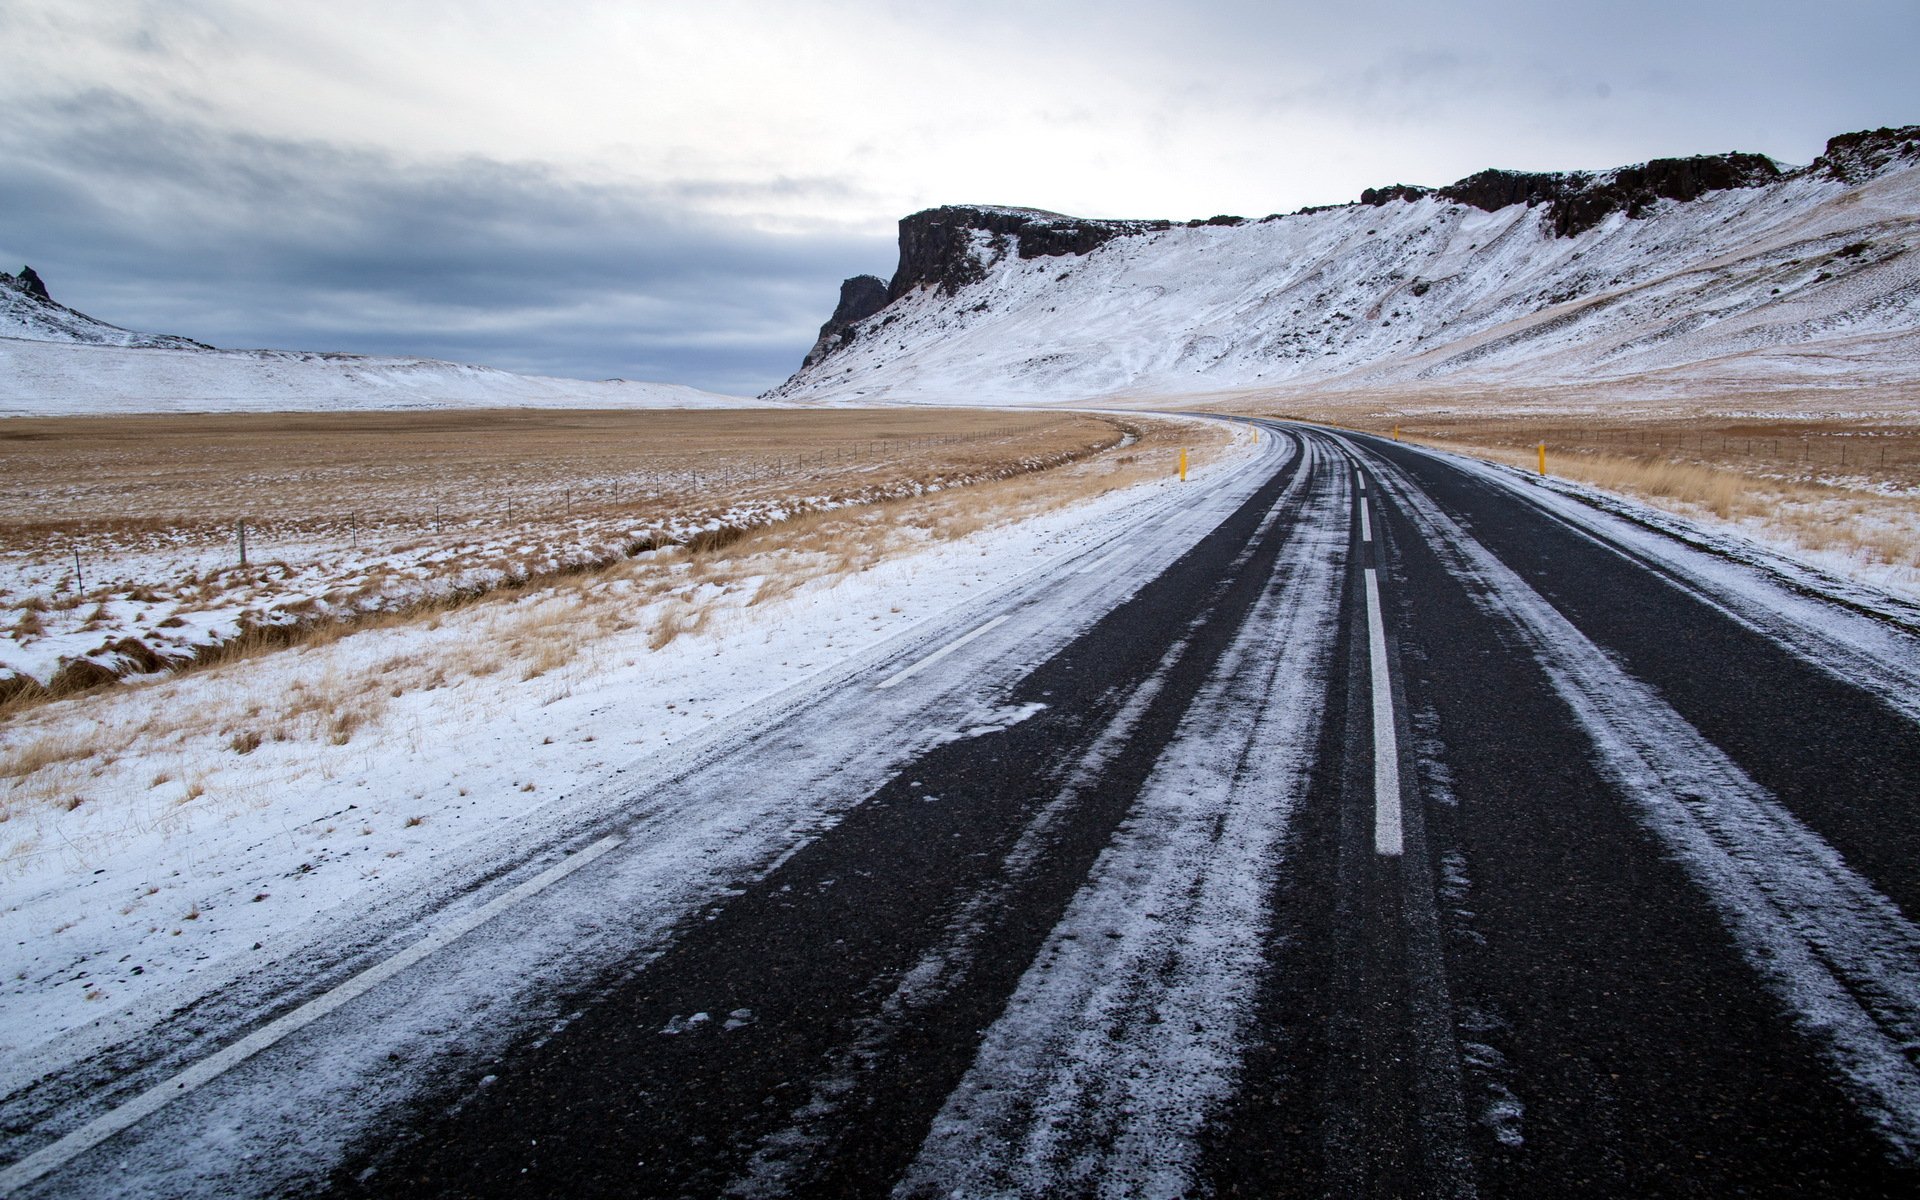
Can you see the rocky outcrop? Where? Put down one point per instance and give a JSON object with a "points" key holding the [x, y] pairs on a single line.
{"points": [[29, 281], [1375, 197], [1577, 200], [1493, 190], [1633, 190], [941, 248], [860, 297], [937, 245], [1857, 157]]}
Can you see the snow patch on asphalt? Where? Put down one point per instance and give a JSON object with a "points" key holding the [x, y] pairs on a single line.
{"points": [[992, 720]]}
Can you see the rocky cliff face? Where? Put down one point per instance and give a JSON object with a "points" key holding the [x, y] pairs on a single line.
{"points": [[860, 297], [948, 248], [29, 282], [1576, 201], [1633, 190], [938, 246]]}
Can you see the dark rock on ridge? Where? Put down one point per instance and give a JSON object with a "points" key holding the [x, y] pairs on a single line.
{"points": [[1492, 190], [1633, 190], [28, 311], [1394, 191], [860, 297], [30, 280], [936, 245], [1853, 157], [937, 250], [1578, 200]]}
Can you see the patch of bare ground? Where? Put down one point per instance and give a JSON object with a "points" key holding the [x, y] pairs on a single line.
{"points": [[122, 553], [1796, 470]]}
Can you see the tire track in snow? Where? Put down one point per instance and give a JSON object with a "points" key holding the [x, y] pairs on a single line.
{"points": [[1839, 954], [947, 966], [1098, 1076]]}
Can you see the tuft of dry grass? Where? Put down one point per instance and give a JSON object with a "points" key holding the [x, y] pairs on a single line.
{"points": [[62, 746]]}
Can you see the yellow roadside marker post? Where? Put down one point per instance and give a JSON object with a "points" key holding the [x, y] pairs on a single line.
{"points": [[1396, 433], [1183, 464], [1543, 458]]}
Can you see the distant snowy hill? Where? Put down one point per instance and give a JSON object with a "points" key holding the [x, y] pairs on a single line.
{"points": [[1724, 270], [55, 360], [27, 311]]}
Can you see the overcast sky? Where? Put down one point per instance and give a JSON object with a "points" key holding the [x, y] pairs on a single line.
{"points": [[674, 191]]}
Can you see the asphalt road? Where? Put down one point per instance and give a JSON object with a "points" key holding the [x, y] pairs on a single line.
{"points": [[1373, 825]]}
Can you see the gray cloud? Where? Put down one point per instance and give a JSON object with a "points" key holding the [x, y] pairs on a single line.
{"points": [[241, 241]]}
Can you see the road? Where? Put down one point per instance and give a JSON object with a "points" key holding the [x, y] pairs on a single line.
{"points": [[1368, 823]]}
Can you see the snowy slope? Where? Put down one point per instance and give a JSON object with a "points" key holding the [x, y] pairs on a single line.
{"points": [[55, 361], [27, 311], [48, 378], [1809, 279]]}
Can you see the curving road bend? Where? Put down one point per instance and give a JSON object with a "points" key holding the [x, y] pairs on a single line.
{"points": [[1369, 823]]}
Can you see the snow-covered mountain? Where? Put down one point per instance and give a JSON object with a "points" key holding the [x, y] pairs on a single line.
{"points": [[1726, 271], [28, 311], [56, 360]]}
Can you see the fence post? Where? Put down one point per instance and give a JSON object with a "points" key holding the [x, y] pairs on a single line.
{"points": [[243, 543]]}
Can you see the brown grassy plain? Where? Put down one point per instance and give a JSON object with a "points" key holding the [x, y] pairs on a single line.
{"points": [[74, 476]]}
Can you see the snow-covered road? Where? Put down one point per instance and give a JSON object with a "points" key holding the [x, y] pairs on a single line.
{"points": [[1353, 820]]}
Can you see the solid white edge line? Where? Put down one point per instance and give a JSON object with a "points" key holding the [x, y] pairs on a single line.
{"points": [[1386, 741], [85, 1138], [937, 655], [1366, 525]]}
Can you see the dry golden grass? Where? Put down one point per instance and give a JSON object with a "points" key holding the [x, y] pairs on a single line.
{"points": [[358, 474], [41, 752]]}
